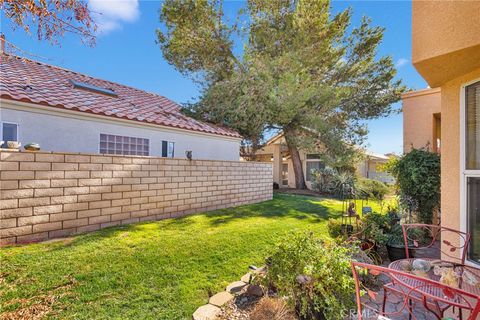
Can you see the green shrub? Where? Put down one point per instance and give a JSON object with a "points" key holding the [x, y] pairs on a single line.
{"points": [[395, 236], [332, 182], [382, 228], [334, 228], [322, 179], [375, 227], [314, 274], [372, 189], [417, 175]]}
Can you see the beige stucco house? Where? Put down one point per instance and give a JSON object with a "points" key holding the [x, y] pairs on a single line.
{"points": [[276, 152], [422, 119], [371, 167], [446, 52]]}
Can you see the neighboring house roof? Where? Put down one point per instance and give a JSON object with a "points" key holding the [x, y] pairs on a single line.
{"points": [[420, 92], [35, 82], [279, 138], [379, 156]]}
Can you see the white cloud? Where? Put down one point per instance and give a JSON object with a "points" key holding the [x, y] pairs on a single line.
{"points": [[401, 62], [110, 14]]}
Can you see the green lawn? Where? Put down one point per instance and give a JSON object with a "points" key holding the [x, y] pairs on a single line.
{"points": [[154, 270]]}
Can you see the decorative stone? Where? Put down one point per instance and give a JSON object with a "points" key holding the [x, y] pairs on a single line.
{"points": [[255, 290], [206, 312], [236, 286], [261, 270], [220, 298], [246, 278]]}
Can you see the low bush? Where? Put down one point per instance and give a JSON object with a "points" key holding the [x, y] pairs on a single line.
{"points": [[330, 181], [334, 228], [371, 189], [418, 177], [314, 274], [375, 227], [395, 236], [322, 179]]}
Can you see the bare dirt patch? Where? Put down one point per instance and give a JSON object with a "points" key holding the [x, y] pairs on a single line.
{"points": [[38, 306]]}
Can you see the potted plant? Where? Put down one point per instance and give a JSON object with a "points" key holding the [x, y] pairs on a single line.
{"points": [[373, 236], [374, 227], [396, 244], [13, 144]]}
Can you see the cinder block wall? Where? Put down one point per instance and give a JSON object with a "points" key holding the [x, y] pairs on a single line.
{"points": [[48, 195]]}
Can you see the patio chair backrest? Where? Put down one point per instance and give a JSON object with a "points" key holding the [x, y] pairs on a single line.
{"points": [[431, 241], [416, 295]]}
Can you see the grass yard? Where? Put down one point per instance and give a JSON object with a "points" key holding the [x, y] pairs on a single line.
{"points": [[154, 270]]}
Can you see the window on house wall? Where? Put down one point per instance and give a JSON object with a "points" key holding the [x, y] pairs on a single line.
{"points": [[472, 108], [438, 133], [9, 133], [473, 209], [168, 149], [285, 174], [313, 156], [113, 144], [472, 168], [313, 163]]}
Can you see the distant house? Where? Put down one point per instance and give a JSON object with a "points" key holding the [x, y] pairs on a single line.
{"points": [[63, 110], [276, 151], [371, 167], [422, 121]]}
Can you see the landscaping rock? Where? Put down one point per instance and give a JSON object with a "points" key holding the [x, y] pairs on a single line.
{"points": [[236, 287], [220, 298], [246, 278], [255, 290], [261, 270], [206, 312], [239, 308]]}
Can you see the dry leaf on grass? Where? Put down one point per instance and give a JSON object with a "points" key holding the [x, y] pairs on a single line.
{"points": [[39, 306]]}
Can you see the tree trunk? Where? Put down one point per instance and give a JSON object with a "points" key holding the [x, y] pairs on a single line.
{"points": [[296, 161]]}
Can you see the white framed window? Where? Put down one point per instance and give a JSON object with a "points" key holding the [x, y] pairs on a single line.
{"points": [[284, 174], [470, 166], [113, 144], [472, 126], [313, 162], [9, 132], [168, 149]]}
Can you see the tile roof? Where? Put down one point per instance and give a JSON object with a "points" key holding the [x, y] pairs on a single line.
{"points": [[35, 82]]}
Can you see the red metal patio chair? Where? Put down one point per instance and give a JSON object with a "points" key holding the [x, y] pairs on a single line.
{"points": [[435, 242], [418, 297]]}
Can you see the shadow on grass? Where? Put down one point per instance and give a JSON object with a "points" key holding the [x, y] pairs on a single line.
{"points": [[281, 206]]}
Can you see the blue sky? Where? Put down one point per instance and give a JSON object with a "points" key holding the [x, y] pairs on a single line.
{"points": [[126, 52]]}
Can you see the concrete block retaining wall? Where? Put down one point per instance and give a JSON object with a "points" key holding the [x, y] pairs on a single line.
{"points": [[48, 195]]}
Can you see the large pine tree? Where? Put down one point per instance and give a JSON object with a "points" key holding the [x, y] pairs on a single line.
{"points": [[302, 70]]}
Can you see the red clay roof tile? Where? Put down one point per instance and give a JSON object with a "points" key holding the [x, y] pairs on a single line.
{"points": [[35, 82]]}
